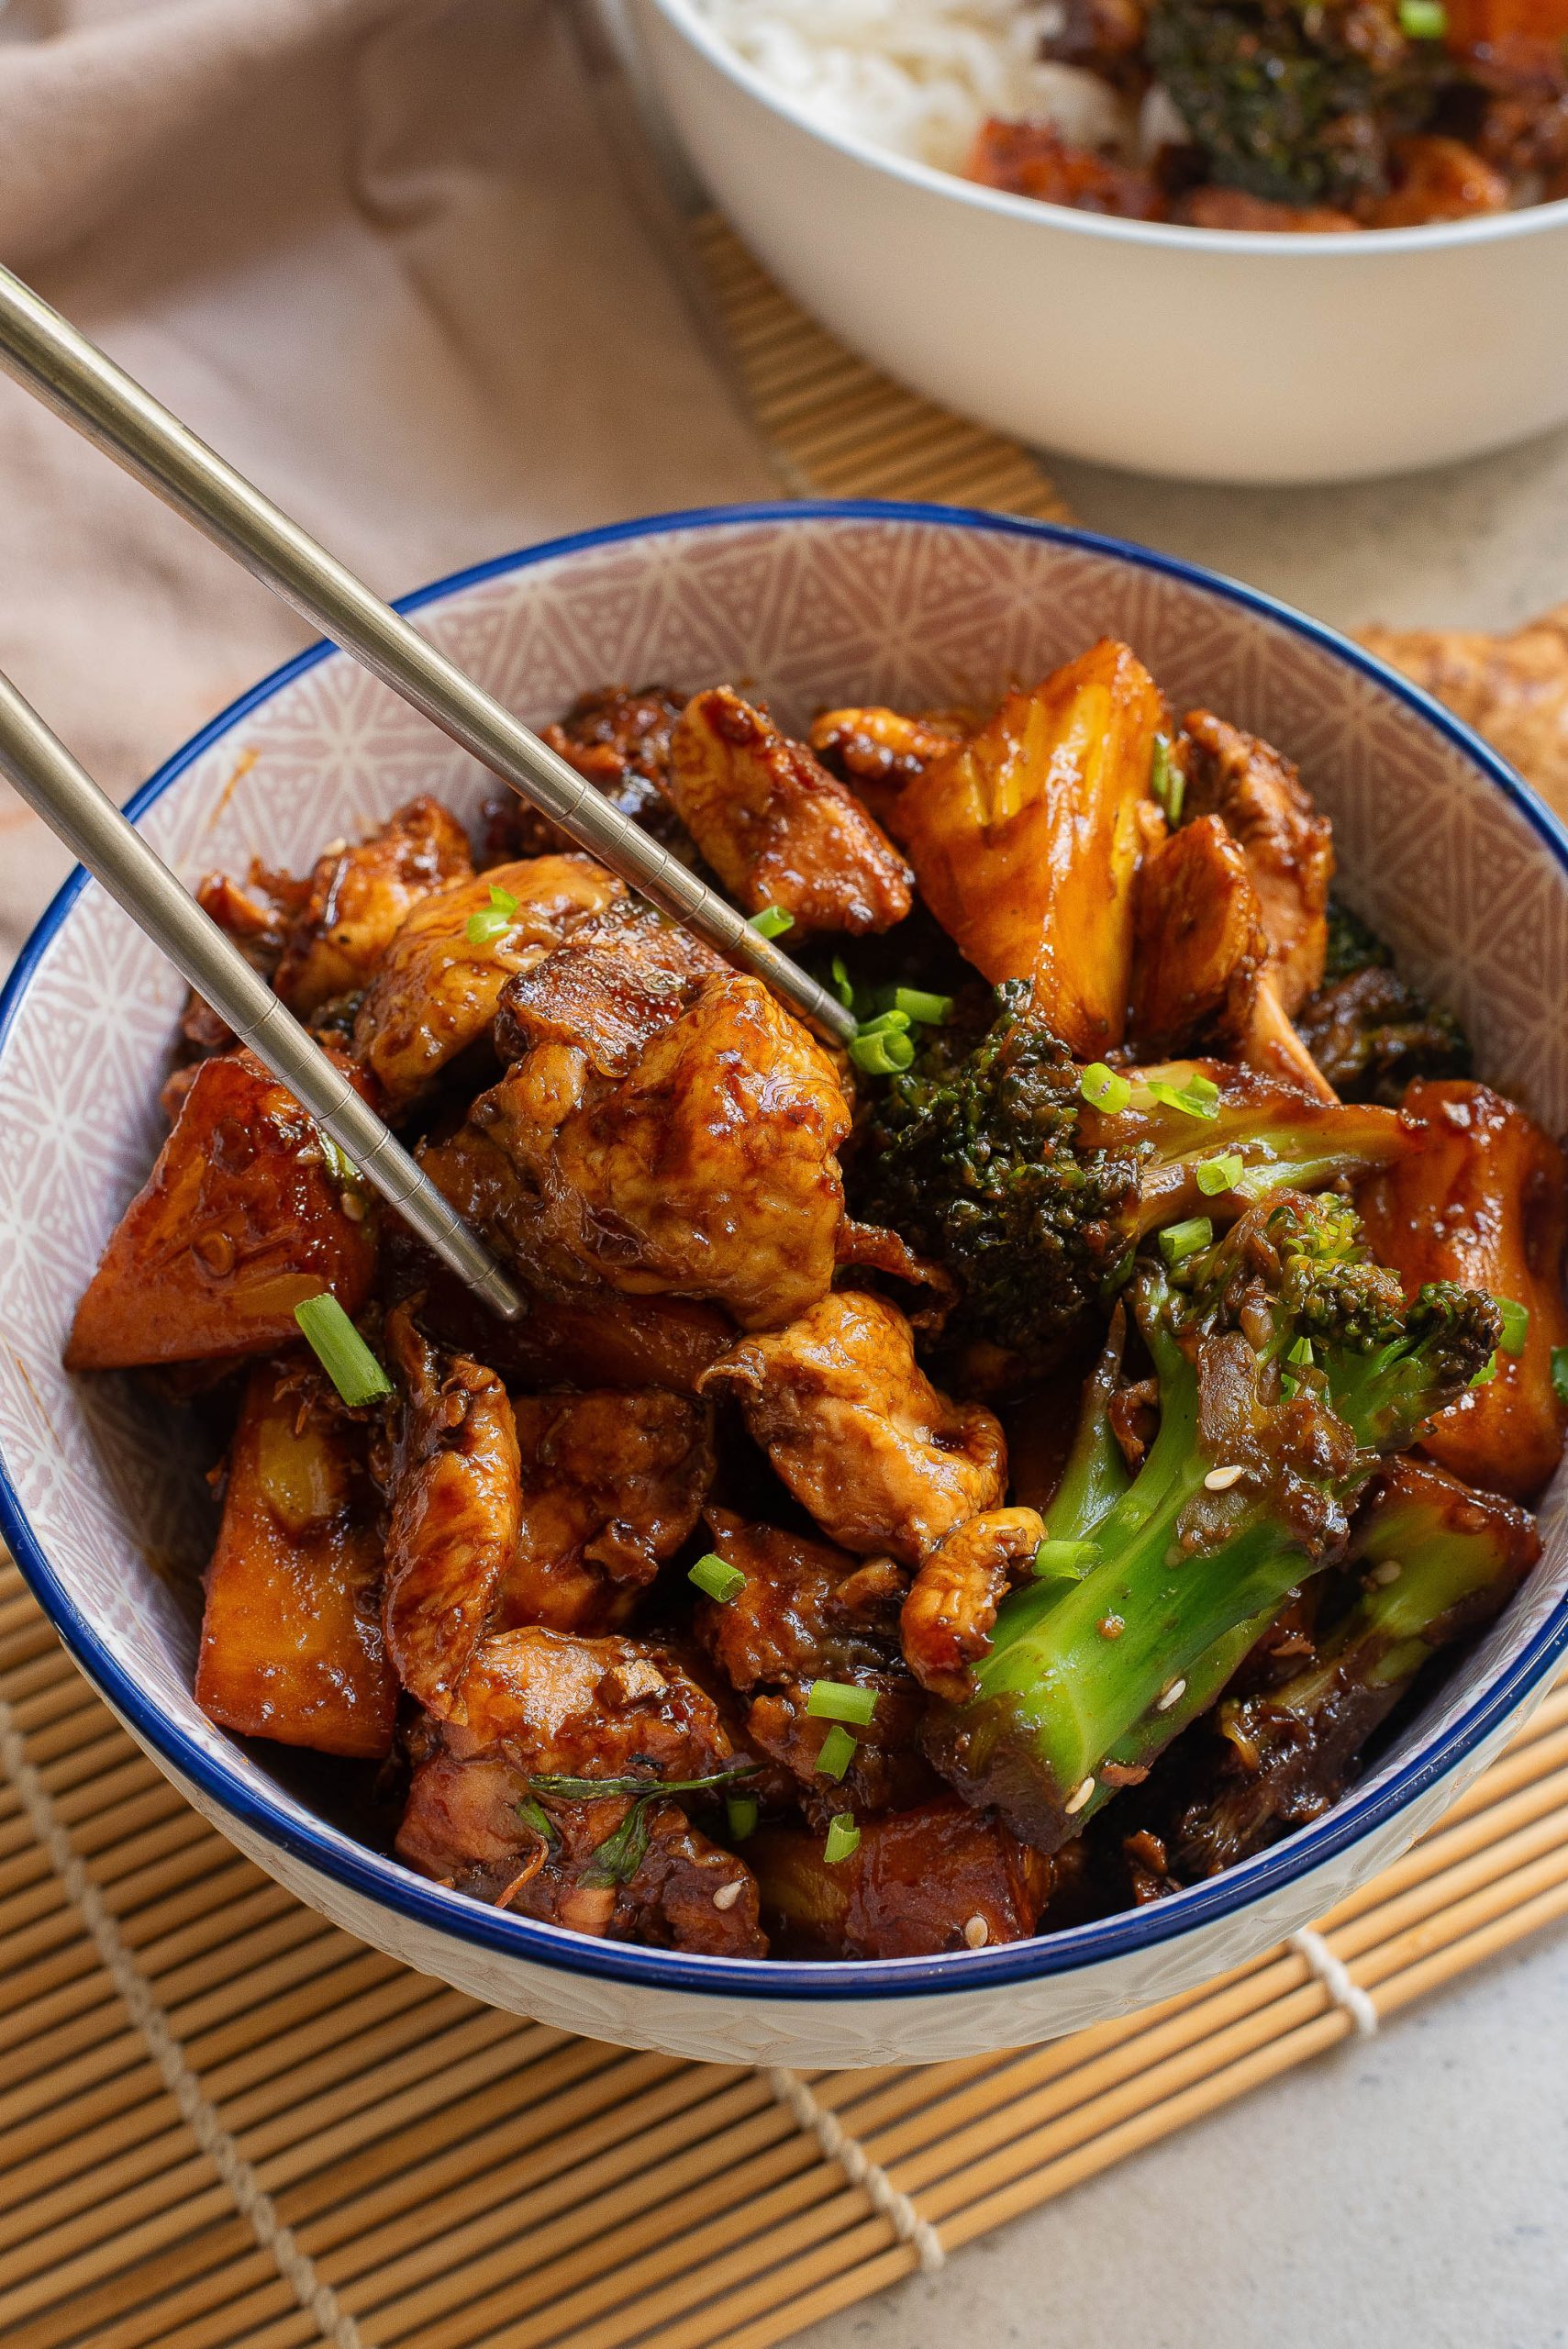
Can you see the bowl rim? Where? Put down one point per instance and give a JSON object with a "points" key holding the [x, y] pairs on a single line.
{"points": [[1267, 243], [383, 1879]]}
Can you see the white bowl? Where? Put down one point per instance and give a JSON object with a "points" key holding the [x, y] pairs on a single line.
{"points": [[924, 605], [1197, 352]]}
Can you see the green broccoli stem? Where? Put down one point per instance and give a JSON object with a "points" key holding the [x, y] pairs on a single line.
{"points": [[1095, 1475], [1438, 1561], [1086, 1685]]}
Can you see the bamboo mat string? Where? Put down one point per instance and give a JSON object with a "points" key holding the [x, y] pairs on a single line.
{"points": [[255, 2204], [897, 2207], [1337, 1979]]}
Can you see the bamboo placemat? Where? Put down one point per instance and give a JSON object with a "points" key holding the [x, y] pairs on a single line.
{"points": [[226, 2125]]}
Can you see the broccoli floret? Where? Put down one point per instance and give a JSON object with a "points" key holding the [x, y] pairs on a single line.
{"points": [[1286, 1366], [1368, 1031], [990, 1155], [1296, 104], [1438, 1561]]}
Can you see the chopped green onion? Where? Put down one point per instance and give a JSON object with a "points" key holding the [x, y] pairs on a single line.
{"points": [[880, 1053], [556, 1788], [835, 1753], [843, 985], [1103, 1088], [740, 1815], [716, 1579], [1199, 1098], [489, 923], [1516, 1325], [1560, 1375], [892, 1022], [341, 1352], [1180, 1240], [771, 922], [1166, 781], [843, 1838], [340, 1166], [535, 1815], [1301, 1355], [1487, 1372], [838, 1700], [1055, 1560], [1217, 1175], [1423, 19], [929, 1010]]}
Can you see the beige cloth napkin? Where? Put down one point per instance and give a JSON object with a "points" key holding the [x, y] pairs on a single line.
{"points": [[377, 252]]}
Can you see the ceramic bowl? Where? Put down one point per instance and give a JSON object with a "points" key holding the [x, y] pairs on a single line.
{"points": [[1196, 353], [1443, 848]]}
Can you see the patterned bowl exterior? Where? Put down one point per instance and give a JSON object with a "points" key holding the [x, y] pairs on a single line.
{"points": [[1443, 849]]}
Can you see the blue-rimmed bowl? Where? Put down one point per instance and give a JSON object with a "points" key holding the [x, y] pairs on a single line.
{"points": [[1443, 848]]}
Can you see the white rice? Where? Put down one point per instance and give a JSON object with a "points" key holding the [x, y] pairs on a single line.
{"points": [[918, 76]]}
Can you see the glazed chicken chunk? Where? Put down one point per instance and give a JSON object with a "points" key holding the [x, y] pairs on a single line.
{"points": [[708, 1171], [440, 983], [776, 827], [882, 1459], [612, 1485], [359, 899]]}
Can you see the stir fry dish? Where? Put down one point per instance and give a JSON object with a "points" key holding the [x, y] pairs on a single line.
{"points": [[1300, 115], [941, 1489]]}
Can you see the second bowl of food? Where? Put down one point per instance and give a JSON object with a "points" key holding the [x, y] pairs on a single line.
{"points": [[971, 1535], [1212, 334]]}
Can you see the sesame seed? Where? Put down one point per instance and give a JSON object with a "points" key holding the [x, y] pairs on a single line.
{"points": [[729, 1894], [353, 1206], [1389, 1571], [1111, 1626], [1078, 1798], [1170, 1696], [1219, 1480], [977, 1932]]}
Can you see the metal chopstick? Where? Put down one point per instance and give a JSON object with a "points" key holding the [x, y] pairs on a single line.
{"points": [[73, 377], [135, 876]]}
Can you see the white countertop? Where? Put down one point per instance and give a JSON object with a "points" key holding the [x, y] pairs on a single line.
{"points": [[1409, 2192]]}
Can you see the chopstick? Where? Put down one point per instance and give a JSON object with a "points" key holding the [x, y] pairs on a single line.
{"points": [[135, 876], [71, 376]]}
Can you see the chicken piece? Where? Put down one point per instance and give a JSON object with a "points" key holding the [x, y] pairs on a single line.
{"points": [[951, 1608], [359, 899], [1274, 1046], [1511, 688], [1033, 158], [919, 1883], [1198, 942], [608, 989], [1436, 179], [456, 1507], [618, 737], [240, 1219], [878, 751], [464, 1825], [437, 989], [612, 1485], [805, 1612], [592, 1339], [1232, 207], [1025, 839], [557, 1705], [1289, 847], [776, 827], [1482, 1198], [883, 1461], [709, 1171], [256, 918], [291, 1644]]}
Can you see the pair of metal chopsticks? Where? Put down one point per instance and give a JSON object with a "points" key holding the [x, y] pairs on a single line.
{"points": [[70, 374]]}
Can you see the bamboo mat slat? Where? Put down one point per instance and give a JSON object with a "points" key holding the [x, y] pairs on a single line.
{"points": [[225, 2125]]}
